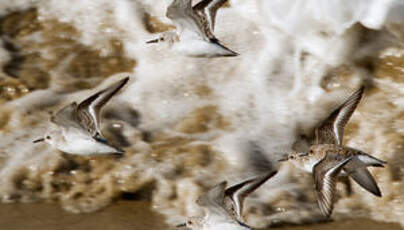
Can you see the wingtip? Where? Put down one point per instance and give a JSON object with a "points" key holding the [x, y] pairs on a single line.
{"points": [[378, 194], [360, 92], [222, 184], [119, 154], [118, 85], [357, 94], [233, 54], [248, 186], [227, 52], [230, 53], [376, 191], [125, 80]]}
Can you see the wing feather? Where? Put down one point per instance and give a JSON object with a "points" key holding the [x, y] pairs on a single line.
{"points": [[208, 8], [65, 117], [188, 21], [363, 177], [325, 175], [331, 130], [213, 200], [88, 111], [237, 193]]}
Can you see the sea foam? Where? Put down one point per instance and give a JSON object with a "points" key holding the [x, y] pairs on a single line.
{"points": [[200, 121]]}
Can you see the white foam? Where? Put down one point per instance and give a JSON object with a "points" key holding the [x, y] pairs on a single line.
{"points": [[286, 47]]}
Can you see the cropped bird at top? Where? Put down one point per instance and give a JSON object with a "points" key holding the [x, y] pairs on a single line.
{"points": [[194, 29], [223, 207], [77, 126], [328, 158]]}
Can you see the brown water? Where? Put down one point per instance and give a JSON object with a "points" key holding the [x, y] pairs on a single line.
{"points": [[183, 128], [126, 215]]}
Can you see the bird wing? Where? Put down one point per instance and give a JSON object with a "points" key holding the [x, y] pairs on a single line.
{"points": [[325, 175], [207, 9], [356, 169], [188, 23], [88, 112], [65, 118], [331, 130], [363, 177], [213, 200], [237, 193]]}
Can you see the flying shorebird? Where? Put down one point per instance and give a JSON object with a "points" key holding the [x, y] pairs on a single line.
{"points": [[223, 207], [77, 127], [194, 29], [328, 157]]}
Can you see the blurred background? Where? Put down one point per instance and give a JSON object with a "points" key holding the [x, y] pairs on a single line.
{"points": [[187, 124]]}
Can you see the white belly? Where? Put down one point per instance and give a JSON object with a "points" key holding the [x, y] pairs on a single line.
{"points": [[199, 48], [83, 145], [225, 226]]}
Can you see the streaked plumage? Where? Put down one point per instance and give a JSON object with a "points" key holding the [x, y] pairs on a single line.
{"points": [[194, 29], [236, 194], [325, 175], [78, 125], [224, 206], [329, 136], [331, 130]]}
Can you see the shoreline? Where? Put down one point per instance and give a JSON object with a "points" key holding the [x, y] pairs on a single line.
{"points": [[129, 215]]}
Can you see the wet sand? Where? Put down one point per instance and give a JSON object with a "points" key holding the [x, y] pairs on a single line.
{"points": [[43, 216], [357, 224], [129, 215]]}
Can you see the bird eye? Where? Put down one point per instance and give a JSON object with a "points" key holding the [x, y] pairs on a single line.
{"points": [[48, 137], [292, 157], [311, 152], [189, 222], [161, 39]]}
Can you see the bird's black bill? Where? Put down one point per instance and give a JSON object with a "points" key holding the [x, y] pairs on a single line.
{"points": [[303, 155], [181, 225], [285, 158], [152, 41], [38, 140]]}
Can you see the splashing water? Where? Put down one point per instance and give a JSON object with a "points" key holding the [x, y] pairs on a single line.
{"points": [[187, 124]]}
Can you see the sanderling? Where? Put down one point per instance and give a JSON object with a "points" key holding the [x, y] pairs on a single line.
{"points": [[328, 157], [194, 29], [223, 207], [77, 126]]}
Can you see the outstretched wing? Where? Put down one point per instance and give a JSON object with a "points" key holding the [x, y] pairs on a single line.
{"points": [[237, 193], [88, 111], [188, 23], [356, 168], [325, 175], [331, 130], [213, 200], [65, 117], [207, 9], [363, 177]]}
